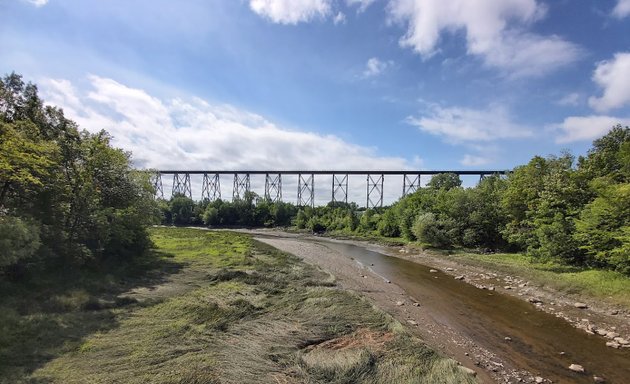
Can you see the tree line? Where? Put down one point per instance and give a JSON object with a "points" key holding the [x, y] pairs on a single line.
{"points": [[575, 211], [67, 196]]}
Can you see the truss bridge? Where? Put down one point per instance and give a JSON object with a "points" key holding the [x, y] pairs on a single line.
{"points": [[339, 185]]}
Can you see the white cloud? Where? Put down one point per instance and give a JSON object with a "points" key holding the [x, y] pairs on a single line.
{"points": [[37, 3], [458, 125], [572, 99], [474, 161], [622, 9], [340, 18], [363, 4], [579, 128], [614, 77], [291, 11], [495, 31], [196, 134], [375, 67]]}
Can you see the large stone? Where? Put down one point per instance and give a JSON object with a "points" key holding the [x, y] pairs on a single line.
{"points": [[576, 368]]}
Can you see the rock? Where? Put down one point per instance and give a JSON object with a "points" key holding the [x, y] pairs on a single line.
{"points": [[465, 353], [507, 287], [576, 368], [534, 300], [371, 264], [450, 269], [562, 353], [467, 370], [460, 277], [614, 312], [433, 270], [612, 344], [580, 305], [388, 281], [612, 335], [507, 338], [602, 332], [621, 341], [400, 303], [416, 304], [539, 379], [491, 288], [412, 322], [598, 379]]}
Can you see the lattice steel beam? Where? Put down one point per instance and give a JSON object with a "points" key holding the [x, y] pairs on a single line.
{"points": [[375, 191], [411, 183], [241, 186], [211, 187], [181, 185], [306, 191], [273, 187], [340, 184], [157, 185]]}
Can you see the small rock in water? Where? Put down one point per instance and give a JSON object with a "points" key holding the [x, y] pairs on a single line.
{"points": [[399, 303], [576, 368], [534, 300], [450, 269], [460, 277], [433, 270], [598, 379], [491, 288], [612, 344], [580, 305], [507, 338], [563, 353]]}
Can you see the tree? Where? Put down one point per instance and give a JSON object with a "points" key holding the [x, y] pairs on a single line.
{"points": [[445, 181]]}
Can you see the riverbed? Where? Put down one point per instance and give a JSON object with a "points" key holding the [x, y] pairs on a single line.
{"points": [[501, 337]]}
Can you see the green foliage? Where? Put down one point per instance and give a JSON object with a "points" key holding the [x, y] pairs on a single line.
{"points": [[73, 195], [445, 181], [19, 240], [436, 232]]}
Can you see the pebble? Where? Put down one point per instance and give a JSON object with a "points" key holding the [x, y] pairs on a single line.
{"points": [[399, 303], [621, 340], [433, 270], [612, 344], [467, 370], [461, 277], [598, 379], [614, 312], [602, 332], [580, 305], [534, 300], [491, 288], [539, 379], [576, 368], [412, 322], [389, 282], [416, 304], [507, 287], [612, 335], [450, 269], [507, 338]]}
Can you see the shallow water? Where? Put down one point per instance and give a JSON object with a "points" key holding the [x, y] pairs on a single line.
{"points": [[488, 317]]}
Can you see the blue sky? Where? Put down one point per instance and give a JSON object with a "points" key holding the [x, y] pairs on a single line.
{"points": [[432, 84]]}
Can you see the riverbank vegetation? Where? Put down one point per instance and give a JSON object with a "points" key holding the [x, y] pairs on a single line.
{"points": [[68, 199], [555, 208], [213, 307]]}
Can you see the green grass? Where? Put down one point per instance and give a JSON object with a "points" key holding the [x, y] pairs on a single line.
{"points": [[211, 307], [610, 286]]}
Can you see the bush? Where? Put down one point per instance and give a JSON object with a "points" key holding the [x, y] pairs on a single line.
{"points": [[19, 240], [436, 232]]}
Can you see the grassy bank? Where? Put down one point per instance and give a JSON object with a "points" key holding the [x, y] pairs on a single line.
{"points": [[596, 284], [215, 307]]}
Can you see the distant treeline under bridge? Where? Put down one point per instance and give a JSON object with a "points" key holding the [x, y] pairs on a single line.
{"points": [[211, 183]]}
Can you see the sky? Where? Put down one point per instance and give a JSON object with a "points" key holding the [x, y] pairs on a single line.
{"points": [[329, 84]]}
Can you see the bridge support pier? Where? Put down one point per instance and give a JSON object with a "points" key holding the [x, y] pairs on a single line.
{"points": [[306, 190], [340, 186], [374, 191], [181, 185], [211, 187], [273, 187], [157, 185], [241, 186], [411, 183]]}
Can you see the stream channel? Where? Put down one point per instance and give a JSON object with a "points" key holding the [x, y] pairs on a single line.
{"points": [[488, 317]]}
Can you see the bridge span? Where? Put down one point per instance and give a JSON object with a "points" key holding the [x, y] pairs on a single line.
{"points": [[211, 183]]}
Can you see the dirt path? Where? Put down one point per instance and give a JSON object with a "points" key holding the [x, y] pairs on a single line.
{"points": [[394, 300]]}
